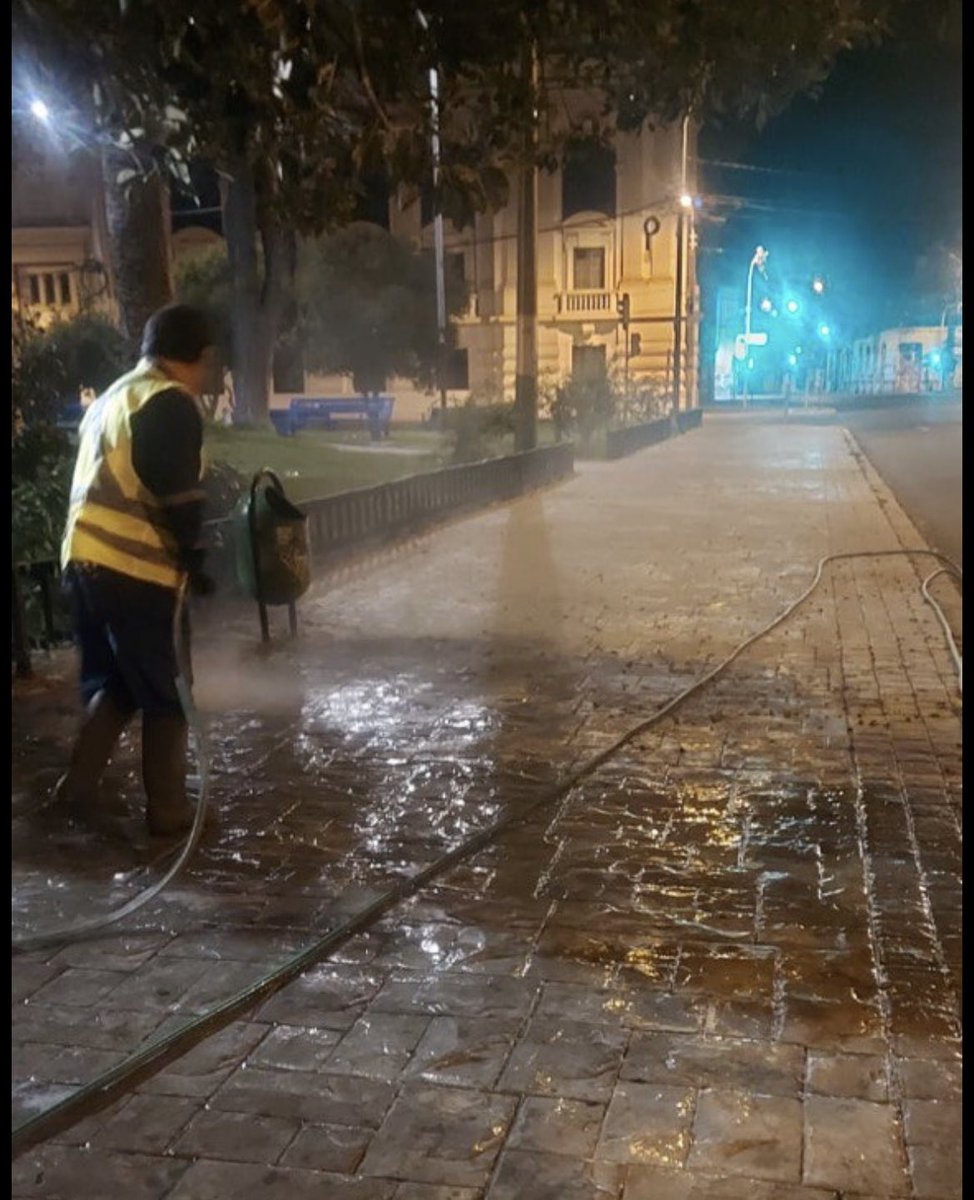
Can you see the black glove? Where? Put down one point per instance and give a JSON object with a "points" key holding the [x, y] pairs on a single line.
{"points": [[201, 584]]}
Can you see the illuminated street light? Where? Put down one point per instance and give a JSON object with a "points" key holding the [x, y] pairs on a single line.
{"points": [[40, 110], [766, 305], [792, 360], [686, 200], [824, 331], [818, 285], [792, 306]]}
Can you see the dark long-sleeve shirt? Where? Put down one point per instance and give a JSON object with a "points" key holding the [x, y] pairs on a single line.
{"points": [[167, 448]]}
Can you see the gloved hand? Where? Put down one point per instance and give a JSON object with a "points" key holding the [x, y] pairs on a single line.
{"points": [[201, 584]]}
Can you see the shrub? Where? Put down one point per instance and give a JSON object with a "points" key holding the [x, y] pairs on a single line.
{"points": [[50, 368]]}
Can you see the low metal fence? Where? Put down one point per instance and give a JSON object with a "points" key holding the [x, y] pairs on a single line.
{"points": [[366, 517], [338, 525], [620, 442]]}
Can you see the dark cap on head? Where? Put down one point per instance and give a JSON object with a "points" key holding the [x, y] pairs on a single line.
{"points": [[179, 332]]}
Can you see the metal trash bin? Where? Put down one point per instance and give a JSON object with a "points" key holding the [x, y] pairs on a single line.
{"points": [[272, 548]]}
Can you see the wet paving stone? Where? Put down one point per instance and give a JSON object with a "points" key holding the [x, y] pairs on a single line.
{"points": [[213, 1180], [854, 1146], [379, 1045], [335, 1148], [440, 1135], [706, 1061], [553, 1177], [658, 1183], [739, 1133], [303, 1095], [708, 951], [464, 1051], [71, 1173], [236, 1137], [647, 1123], [857, 1076], [565, 1058]]}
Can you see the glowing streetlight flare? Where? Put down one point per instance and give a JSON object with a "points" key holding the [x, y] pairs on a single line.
{"points": [[686, 200], [40, 110], [818, 286]]}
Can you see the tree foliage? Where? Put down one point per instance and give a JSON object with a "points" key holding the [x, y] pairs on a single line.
{"points": [[369, 307], [294, 101]]}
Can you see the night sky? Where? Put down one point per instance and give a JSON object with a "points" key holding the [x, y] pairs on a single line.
{"points": [[856, 185]]}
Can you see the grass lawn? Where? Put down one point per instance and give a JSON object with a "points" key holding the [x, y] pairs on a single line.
{"points": [[317, 463]]}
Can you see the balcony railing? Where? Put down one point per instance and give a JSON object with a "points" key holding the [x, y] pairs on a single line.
{"points": [[587, 301]]}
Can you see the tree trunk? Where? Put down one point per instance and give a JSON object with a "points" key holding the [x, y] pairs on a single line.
{"points": [[258, 296], [137, 224]]}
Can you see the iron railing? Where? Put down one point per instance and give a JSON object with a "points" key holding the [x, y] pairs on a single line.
{"points": [[620, 442]]}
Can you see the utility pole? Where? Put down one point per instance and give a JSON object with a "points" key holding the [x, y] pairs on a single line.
{"points": [[438, 252], [526, 376], [678, 306]]}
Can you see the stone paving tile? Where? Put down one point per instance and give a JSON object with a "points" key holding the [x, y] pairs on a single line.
{"points": [[523, 1173], [464, 1051], [326, 997], [923, 1079], [854, 1145], [306, 1096], [336, 1148], [557, 1126], [146, 1124], [659, 1183], [440, 1135], [457, 996], [379, 1045], [857, 1076], [238, 1137], [55, 1172], [202, 1069], [647, 1123], [934, 1140], [739, 1133], [565, 1058], [295, 1048], [705, 1061], [212, 1180]]}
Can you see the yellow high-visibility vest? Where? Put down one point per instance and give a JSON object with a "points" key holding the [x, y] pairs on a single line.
{"points": [[113, 519]]}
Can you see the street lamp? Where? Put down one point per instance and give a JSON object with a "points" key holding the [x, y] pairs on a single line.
{"points": [[438, 250], [758, 259], [40, 110], [818, 285]]}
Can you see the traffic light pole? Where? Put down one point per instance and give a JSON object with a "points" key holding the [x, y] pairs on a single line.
{"points": [[678, 312]]}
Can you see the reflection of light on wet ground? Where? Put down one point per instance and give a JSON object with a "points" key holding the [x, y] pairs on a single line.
{"points": [[376, 706]]}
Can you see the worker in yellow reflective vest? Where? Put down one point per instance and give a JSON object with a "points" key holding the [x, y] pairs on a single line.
{"points": [[133, 536]]}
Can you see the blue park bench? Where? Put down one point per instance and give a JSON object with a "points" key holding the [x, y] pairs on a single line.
{"points": [[306, 412]]}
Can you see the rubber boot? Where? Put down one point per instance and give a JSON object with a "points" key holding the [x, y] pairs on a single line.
{"points": [[164, 741], [100, 730]]}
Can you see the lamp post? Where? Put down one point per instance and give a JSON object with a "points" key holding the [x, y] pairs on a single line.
{"points": [[438, 252], [758, 259]]}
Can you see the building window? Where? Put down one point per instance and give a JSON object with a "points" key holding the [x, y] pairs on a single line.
{"points": [[635, 345], [589, 268], [65, 283], [457, 369], [34, 287], [588, 178], [588, 363]]}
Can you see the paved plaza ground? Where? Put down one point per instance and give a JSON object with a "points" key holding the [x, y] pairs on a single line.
{"points": [[726, 966]]}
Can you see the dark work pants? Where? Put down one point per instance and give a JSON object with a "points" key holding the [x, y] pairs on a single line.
{"points": [[124, 630]]}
